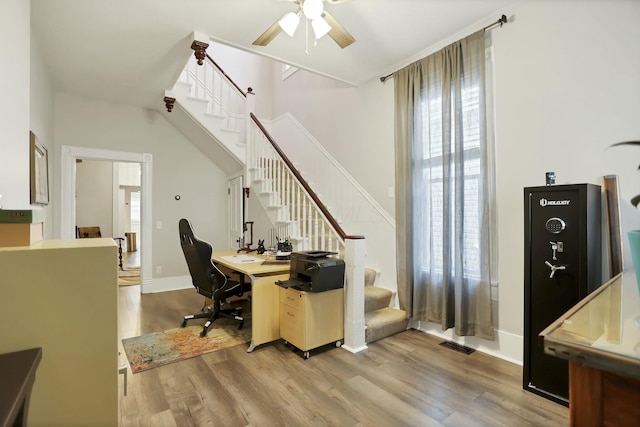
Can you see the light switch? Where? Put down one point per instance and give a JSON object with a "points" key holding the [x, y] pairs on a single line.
{"points": [[159, 225]]}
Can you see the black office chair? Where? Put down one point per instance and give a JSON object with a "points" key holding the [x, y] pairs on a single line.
{"points": [[208, 280]]}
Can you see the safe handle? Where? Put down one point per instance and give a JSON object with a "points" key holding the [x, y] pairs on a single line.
{"points": [[554, 268]]}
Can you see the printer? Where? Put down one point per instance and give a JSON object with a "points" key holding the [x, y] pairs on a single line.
{"points": [[314, 271]]}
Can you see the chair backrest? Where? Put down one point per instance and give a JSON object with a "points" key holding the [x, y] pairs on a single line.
{"points": [[205, 275], [88, 232]]}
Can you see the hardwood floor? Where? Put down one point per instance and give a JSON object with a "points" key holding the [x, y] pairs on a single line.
{"points": [[403, 380]]}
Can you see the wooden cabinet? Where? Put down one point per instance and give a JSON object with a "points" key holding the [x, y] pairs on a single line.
{"points": [[599, 337], [601, 398], [311, 319]]}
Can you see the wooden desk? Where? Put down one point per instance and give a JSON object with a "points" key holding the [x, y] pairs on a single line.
{"points": [[18, 373], [600, 337], [265, 313]]}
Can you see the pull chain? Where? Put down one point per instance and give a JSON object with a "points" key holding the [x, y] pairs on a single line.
{"points": [[306, 36]]}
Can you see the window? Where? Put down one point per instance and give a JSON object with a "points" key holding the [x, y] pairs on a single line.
{"points": [[432, 164]]}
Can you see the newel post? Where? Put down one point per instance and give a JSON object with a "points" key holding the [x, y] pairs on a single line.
{"points": [[354, 325], [200, 50]]}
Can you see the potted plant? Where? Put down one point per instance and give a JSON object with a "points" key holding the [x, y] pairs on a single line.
{"points": [[635, 201]]}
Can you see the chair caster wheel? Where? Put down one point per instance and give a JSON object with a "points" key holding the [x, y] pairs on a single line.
{"points": [[203, 334], [184, 323]]}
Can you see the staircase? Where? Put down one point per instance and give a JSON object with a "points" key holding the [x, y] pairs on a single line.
{"points": [[380, 320], [217, 116]]}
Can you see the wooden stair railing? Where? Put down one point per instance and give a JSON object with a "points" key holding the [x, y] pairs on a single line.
{"points": [[303, 183], [229, 79], [227, 99]]}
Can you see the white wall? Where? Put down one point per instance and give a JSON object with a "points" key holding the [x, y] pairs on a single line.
{"points": [[27, 106], [14, 108], [94, 195], [355, 125], [178, 169], [41, 122], [566, 83]]}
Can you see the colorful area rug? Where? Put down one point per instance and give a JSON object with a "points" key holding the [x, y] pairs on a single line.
{"points": [[161, 348], [129, 277]]}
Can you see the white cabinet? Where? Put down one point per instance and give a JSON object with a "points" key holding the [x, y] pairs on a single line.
{"points": [[62, 296]]}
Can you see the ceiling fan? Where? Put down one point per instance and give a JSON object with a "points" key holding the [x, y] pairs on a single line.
{"points": [[321, 22]]}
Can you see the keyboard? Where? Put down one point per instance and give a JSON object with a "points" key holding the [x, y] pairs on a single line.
{"points": [[275, 261]]}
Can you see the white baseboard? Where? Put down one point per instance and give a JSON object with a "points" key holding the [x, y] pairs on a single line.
{"points": [[166, 284], [507, 346]]}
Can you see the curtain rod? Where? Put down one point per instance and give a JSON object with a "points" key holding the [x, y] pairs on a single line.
{"points": [[502, 20]]}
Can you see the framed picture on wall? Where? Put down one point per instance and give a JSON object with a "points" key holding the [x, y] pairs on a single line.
{"points": [[39, 170]]}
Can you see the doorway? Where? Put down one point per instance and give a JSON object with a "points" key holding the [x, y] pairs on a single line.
{"points": [[108, 197], [70, 155]]}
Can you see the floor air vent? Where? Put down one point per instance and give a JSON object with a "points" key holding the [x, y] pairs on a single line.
{"points": [[457, 347]]}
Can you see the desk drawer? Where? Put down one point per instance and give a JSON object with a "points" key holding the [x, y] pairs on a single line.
{"points": [[292, 325], [292, 298]]}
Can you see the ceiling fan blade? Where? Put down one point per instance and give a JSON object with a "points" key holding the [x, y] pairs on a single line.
{"points": [[337, 32], [270, 34]]}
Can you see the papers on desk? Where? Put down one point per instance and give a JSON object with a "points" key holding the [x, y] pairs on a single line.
{"points": [[240, 259]]}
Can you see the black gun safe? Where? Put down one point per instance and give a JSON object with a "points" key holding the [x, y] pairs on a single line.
{"points": [[562, 250]]}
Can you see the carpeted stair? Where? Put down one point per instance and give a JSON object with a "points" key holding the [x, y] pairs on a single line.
{"points": [[380, 320]]}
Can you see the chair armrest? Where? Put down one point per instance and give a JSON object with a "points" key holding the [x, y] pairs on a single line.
{"points": [[233, 288]]}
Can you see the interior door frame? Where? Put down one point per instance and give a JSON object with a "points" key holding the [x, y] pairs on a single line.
{"points": [[68, 201]]}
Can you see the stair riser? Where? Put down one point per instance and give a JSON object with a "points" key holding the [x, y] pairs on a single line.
{"points": [[383, 323], [371, 304]]}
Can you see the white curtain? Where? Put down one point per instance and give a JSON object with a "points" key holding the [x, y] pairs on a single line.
{"points": [[444, 179]]}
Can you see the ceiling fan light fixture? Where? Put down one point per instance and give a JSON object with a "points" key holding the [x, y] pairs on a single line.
{"points": [[289, 23], [312, 9], [320, 27]]}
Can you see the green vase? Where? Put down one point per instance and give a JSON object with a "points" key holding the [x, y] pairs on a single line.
{"points": [[634, 243]]}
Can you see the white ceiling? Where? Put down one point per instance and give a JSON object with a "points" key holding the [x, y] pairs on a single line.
{"points": [[129, 50]]}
